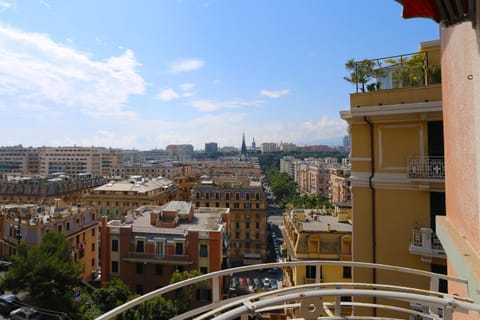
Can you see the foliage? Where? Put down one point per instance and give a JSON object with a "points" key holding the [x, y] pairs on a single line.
{"points": [[183, 297], [362, 72], [48, 272]]}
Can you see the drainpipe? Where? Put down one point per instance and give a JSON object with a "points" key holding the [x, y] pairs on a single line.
{"points": [[373, 199]]}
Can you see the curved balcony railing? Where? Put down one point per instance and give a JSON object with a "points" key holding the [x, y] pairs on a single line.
{"points": [[309, 299]]}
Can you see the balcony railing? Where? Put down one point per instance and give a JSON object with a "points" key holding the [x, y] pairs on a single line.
{"points": [[426, 243], [402, 71], [426, 167], [172, 259]]}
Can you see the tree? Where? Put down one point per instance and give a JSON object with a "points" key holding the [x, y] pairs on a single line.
{"points": [[362, 72], [48, 272], [183, 297]]}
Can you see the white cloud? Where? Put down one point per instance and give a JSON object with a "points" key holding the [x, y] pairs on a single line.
{"points": [[36, 70], [7, 5], [45, 3], [187, 86], [209, 105], [274, 94], [186, 65], [168, 95]]}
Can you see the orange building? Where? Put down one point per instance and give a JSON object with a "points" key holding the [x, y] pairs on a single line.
{"points": [[29, 222]]}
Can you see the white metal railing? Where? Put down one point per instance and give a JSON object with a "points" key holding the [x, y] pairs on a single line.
{"points": [[309, 297], [426, 243], [426, 167]]}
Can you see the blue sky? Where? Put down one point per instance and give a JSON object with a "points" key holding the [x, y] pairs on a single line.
{"points": [[145, 74]]}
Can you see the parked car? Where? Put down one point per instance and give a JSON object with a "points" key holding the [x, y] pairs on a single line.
{"points": [[8, 303], [25, 313]]}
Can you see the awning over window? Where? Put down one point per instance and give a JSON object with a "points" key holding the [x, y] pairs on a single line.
{"points": [[446, 11]]}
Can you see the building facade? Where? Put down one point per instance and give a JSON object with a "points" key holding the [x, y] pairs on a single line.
{"points": [[29, 222], [118, 199], [397, 163], [248, 214], [180, 151], [69, 189], [145, 251]]}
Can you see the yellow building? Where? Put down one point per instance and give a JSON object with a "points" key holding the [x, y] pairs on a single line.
{"points": [[117, 199], [310, 235], [28, 223], [398, 171], [248, 214]]}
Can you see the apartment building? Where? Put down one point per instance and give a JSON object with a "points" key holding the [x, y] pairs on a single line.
{"points": [[22, 222], [312, 235], [118, 199], [167, 169], [248, 213], [266, 147], [398, 169], [226, 166], [180, 151], [18, 160], [145, 251], [340, 186], [44, 190]]}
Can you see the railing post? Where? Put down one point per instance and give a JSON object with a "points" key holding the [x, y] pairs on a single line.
{"points": [[215, 289]]}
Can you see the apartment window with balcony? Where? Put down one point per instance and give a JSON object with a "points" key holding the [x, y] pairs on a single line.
{"points": [[140, 246], [311, 272], [159, 248], [114, 266], [237, 196], [178, 248], [203, 250]]}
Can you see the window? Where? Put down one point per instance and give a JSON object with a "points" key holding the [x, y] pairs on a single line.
{"points": [[114, 245], [178, 248], [93, 262], [93, 247], [310, 272], [237, 235], [237, 196], [204, 270], [227, 196], [158, 269], [257, 205], [160, 248], [114, 266], [217, 204], [139, 268], [257, 225], [68, 225], [207, 204], [347, 272], [257, 235], [236, 205], [203, 250], [247, 196], [140, 246], [93, 232], [247, 224]]}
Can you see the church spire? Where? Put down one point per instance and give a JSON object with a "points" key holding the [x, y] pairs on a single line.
{"points": [[243, 153]]}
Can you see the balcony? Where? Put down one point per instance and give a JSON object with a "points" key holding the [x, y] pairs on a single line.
{"points": [[407, 78], [426, 168], [181, 259], [426, 244]]}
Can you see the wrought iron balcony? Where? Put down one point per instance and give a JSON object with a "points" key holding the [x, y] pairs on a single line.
{"points": [[426, 243], [426, 167], [182, 259]]}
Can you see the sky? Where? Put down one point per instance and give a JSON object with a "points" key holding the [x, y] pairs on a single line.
{"points": [[145, 74]]}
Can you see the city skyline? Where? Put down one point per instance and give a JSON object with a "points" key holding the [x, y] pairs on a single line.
{"points": [[118, 75]]}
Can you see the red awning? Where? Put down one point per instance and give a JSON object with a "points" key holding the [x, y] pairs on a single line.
{"points": [[446, 11], [420, 9]]}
